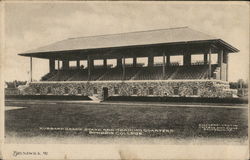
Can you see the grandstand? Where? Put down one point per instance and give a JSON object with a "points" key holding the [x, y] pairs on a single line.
{"points": [[165, 78]]}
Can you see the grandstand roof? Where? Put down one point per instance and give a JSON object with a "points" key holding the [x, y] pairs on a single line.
{"points": [[139, 38]]}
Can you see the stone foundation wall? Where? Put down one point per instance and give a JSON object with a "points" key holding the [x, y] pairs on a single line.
{"points": [[171, 88], [11, 91]]}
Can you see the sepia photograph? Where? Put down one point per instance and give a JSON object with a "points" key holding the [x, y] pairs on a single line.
{"points": [[125, 80]]}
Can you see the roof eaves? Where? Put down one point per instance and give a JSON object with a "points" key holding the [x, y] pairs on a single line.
{"points": [[233, 49]]}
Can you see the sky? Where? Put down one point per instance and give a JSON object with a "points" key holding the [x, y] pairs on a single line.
{"points": [[30, 25]]}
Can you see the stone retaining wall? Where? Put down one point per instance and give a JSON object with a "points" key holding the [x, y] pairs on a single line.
{"points": [[171, 88], [11, 91]]}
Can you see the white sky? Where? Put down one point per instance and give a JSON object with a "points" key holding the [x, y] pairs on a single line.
{"points": [[31, 25]]}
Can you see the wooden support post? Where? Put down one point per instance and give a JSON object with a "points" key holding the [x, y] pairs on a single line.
{"points": [[187, 59], [209, 65], [220, 62], [119, 62], [89, 68], [123, 68], [51, 65], [30, 69], [78, 64], [184, 60], [164, 66], [150, 61], [134, 61], [58, 68], [105, 63], [65, 64], [219, 57], [58, 65], [227, 67], [168, 60], [205, 58]]}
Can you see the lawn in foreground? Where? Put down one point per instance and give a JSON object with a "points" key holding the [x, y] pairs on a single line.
{"points": [[182, 122]]}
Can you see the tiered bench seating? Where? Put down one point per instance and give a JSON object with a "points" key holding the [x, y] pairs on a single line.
{"points": [[149, 73], [192, 72], [131, 73]]}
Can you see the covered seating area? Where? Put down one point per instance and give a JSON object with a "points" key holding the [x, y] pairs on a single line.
{"points": [[164, 43]]}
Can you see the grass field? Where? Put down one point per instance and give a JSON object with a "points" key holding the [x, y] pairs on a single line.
{"points": [[183, 122]]}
